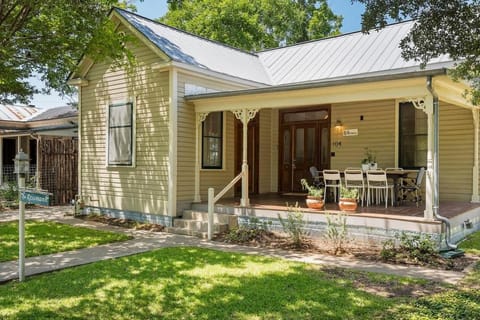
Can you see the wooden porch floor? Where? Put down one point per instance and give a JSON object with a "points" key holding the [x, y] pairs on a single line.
{"points": [[407, 210]]}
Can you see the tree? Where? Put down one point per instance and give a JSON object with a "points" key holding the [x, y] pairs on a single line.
{"points": [[254, 24], [48, 37], [441, 28]]}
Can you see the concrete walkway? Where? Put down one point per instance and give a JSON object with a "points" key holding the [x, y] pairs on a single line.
{"points": [[145, 241]]}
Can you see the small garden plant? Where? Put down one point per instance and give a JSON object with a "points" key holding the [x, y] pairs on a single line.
{"points": [[336, 232], [346, 193], [254, 231], [294, 225], [416, 248], [312, 190]]}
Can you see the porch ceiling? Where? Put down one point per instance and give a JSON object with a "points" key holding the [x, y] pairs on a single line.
{"points": [[332, 92]]}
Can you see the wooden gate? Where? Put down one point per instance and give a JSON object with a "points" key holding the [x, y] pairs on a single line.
{"points": [[58, 168]]}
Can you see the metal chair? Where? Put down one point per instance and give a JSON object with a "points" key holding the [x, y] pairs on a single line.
{"points": [[354, 180], [332, 179], [317, 181], [377, 181], [413, 186]]}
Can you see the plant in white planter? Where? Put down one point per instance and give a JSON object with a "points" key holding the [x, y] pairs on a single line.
{"points": [[369, 162]]}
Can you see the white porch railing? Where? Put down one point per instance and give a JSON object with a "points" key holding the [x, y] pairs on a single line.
{"points": [[212, 199]]}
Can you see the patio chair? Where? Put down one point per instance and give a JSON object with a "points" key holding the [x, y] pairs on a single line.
{"points": [[332, 179], [377, 181], [317, 182], [354, 179], [411, 187]]}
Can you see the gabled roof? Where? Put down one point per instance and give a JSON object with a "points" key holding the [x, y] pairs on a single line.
{"points": [[348, 56], [187, 48]]}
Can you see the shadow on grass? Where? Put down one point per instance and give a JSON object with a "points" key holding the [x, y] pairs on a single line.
{"points": [[187, 283]]}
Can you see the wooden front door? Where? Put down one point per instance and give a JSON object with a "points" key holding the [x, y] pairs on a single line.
{"points": [[252, 154], [304, 142]]}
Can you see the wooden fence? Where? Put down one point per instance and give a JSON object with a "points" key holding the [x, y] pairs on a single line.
{"points": [[58, 168]]}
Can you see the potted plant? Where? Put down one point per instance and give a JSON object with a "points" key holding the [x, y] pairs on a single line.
{"points": [[348, 199], [369, 162], [314, 197]]}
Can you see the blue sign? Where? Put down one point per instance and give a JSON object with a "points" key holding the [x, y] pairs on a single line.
{"points": [[35, 197]]}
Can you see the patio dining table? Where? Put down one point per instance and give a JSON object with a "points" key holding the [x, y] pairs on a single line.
{"points": [[395, 175]]}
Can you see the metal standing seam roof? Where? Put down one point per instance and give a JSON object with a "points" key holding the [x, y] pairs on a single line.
{"points": [[344, 56], [190, 49], [55, 113], [10, 112], [351, 55]]}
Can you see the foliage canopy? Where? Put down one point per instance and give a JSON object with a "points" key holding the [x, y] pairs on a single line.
{"points": [[442, 28], [254, 24], [48, 37]]}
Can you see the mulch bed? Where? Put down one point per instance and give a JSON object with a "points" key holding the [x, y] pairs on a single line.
{"points": [[124, 223], [359, 250]]}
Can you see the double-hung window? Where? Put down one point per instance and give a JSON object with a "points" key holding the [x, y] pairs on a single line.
{"points": [[120, 134], [413, 137], [212, 141]]}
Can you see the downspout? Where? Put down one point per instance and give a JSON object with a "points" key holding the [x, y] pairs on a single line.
{"points": [[436, 171]]}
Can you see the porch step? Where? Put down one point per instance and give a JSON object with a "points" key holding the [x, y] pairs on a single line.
{"points": [[195, 223]]}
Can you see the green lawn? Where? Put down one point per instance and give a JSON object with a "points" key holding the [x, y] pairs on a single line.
{"points": [[50, 237], [193, 283]]}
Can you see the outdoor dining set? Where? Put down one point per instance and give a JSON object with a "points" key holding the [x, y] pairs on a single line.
{"points": [[394, 185]]}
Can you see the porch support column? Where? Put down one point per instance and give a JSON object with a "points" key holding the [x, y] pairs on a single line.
{"points": [[1, 161], [199, 118], [245, 115], [475, 196], [426, 105]]}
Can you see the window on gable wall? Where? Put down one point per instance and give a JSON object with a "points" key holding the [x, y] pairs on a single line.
{"points": [[413, 137], [120, 134], [212, 141]]}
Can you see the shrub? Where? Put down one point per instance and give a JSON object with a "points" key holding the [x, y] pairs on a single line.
{"points": [[255, 230], [416, 247], [337, 232], [9, 192], [389, 251], [294, 225]]}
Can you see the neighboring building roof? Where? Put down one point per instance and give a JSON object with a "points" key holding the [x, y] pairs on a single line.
{"points": [[352, 55], [11, 112], [55, 113], [187, 48]]}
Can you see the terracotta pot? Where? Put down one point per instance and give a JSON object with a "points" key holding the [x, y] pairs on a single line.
{"points": [[346, 204], [315, 202]]}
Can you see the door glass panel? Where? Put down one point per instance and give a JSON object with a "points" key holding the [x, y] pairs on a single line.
{"points": [[310, 139], [286, 146], [299, 145], [324, 146]]}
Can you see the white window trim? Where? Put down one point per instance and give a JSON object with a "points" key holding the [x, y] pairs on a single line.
{"points": [[134, 133]]}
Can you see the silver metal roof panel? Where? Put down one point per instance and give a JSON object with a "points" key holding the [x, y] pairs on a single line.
{"points": [[193, 50]]}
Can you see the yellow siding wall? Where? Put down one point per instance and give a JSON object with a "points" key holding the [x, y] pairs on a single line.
{"points": [[376, 131], [143, 188], [456, 153], [217, 179]]}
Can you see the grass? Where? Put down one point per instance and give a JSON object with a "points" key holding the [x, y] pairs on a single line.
{"points": [[194, 283], [49, 237], [471, 244], [188, 283]]}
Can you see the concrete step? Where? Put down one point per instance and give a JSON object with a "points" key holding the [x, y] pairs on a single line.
{"points": [[222, 218], [198, 225], [186, 232]]}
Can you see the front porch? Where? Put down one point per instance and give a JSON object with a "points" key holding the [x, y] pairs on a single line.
{"points": [[374, 223]]}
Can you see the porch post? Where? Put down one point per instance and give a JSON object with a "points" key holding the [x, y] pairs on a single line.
{"points": [[245, 115], [1, 161], [199, 118], [475, 197], [426, 105]]}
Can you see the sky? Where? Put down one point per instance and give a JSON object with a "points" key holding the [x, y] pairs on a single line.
{"points": [[156, 8]]}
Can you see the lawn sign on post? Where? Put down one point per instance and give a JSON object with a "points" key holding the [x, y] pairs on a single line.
{"points": [[22, 167]]}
